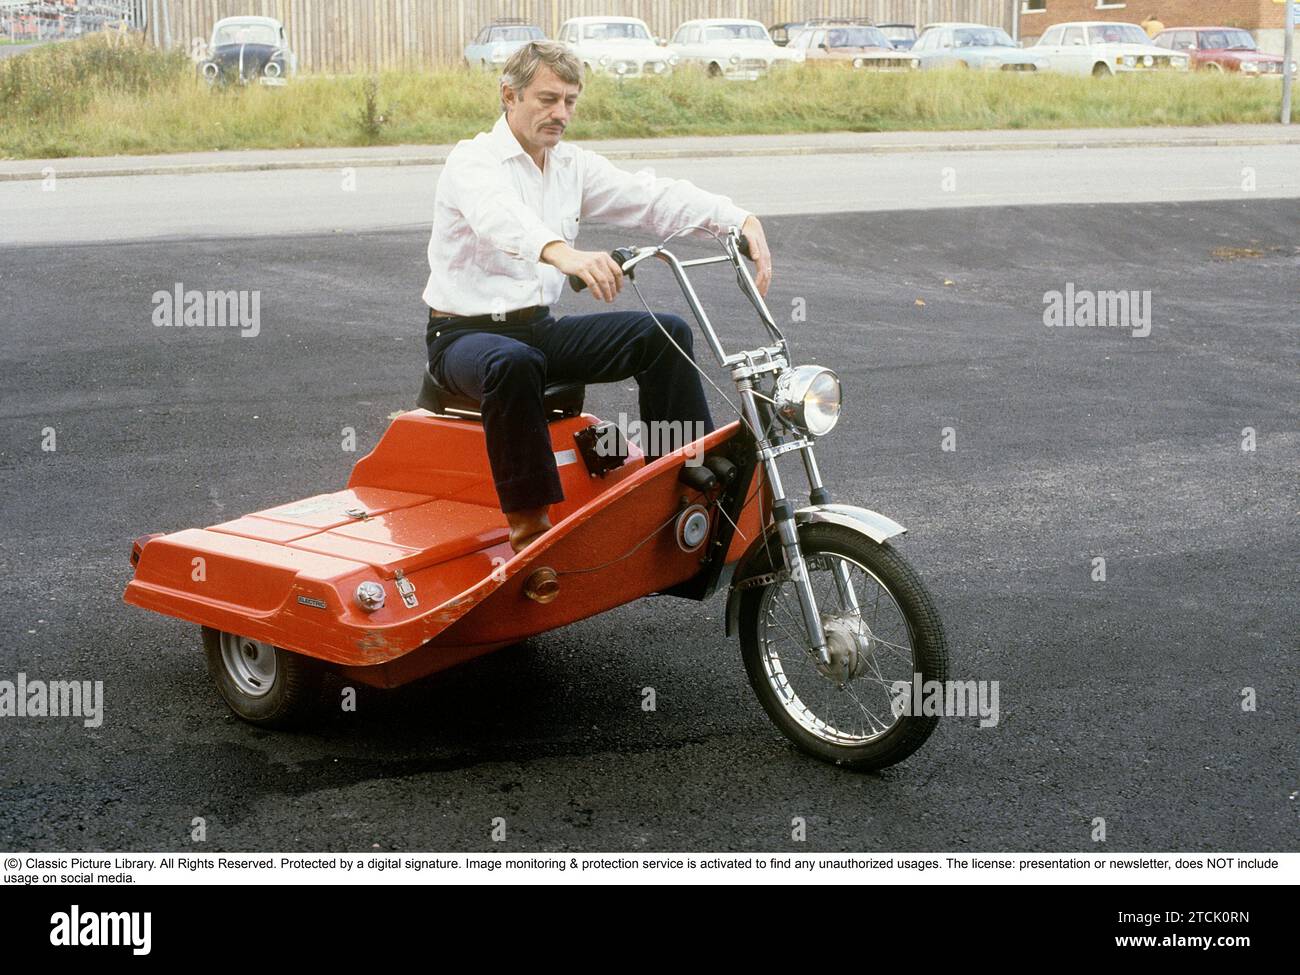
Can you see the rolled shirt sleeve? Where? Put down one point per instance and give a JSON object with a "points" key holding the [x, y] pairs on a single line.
{"points": [[642, 200]]}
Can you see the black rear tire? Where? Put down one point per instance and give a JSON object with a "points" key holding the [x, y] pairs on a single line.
{"points": [[284, 691], [929, 649]]}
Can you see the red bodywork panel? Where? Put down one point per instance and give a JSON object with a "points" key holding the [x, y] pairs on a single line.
{"points": [[423, 504]]}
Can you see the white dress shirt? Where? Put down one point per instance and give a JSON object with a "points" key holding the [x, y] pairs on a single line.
{"points": [[495, 211]]}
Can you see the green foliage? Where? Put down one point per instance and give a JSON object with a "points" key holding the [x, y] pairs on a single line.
{"points": [[104, 95]]}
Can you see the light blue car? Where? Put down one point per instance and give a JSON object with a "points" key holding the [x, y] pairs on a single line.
{"points": [[974, 46], [493, 45]]}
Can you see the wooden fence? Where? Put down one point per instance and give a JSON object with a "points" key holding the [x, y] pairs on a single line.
{"points": [[347, 36]]}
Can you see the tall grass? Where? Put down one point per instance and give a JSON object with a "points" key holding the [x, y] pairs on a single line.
{"points": [[103, 95]]}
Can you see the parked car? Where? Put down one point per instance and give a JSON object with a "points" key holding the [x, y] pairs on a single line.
{"points": [[739, 50], [974, 46], [1220, 49], [1104, 48], [244, 50], [902, 36], [859, 45], [782, 34], [620, 46], [493, 45]]}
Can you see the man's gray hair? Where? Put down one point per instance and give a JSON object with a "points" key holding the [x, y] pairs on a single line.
{"points": [[523, 64]]}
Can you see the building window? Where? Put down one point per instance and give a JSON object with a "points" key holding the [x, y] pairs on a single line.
{"points": [[1105, 5], [1033, 6]]}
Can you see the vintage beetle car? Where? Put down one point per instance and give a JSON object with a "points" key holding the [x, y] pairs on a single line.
{"points": [[244, 50], [1221, 49], [739, 50], [1104, 48]]}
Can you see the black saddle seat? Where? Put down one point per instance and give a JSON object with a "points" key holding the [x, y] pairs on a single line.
{"points": [[560, 400]]}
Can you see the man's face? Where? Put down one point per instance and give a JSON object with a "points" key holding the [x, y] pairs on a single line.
{"points": [[540, 113]]}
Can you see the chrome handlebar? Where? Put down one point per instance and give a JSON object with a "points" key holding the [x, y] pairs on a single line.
{"points": [[737, 246]]}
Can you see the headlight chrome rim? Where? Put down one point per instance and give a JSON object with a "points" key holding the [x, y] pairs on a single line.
{"points": [[809, 399]]}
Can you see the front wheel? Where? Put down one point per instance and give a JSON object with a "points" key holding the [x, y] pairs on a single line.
{"points": [[263, 684], [883, 633]]}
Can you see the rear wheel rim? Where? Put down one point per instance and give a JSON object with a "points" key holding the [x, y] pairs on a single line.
{"points": [[863, 709], [250, 664]]}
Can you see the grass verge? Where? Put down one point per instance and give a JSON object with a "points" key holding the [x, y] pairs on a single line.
{"points": [[106, 95]]}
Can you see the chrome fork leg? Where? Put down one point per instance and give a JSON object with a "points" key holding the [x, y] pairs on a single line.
{"points": [[798, 567], [786, 530]]}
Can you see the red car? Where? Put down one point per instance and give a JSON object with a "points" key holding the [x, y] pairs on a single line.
{"points": [[1220, 49]]}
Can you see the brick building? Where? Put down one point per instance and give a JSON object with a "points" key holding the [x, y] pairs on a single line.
{"points": [[1263, 18]]}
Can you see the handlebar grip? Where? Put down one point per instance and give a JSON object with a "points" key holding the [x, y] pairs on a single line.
{"points": [[621, 255]]}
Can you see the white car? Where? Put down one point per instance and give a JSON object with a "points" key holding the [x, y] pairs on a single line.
{"points": [[1103, 48], [739, 50], [619, 46]]}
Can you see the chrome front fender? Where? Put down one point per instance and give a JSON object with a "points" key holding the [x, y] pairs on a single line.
{"points": [[873, 524]]}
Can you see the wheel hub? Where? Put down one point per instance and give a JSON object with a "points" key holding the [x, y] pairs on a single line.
{"points": [[848, 641], [250, 664]]}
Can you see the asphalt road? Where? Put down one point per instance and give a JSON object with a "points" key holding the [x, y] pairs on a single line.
{"points": [[1119, 699], [57, 209]]}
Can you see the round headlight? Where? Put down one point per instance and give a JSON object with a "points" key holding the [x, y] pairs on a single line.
{"points": [[604, 61], [211, 70], [735, 59], [273, 69], [1148, 60], [1249, 65], [621, 68], [808, 399], [858, 62]]}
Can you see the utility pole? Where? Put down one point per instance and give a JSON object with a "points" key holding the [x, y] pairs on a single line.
{"points": [[1288, 57]]}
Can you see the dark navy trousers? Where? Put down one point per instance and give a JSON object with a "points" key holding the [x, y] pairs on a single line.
{"points": [[507, 368]]}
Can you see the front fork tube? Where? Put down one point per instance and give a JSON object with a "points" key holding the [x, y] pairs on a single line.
{"points": [[848, 597], [788, 534]]}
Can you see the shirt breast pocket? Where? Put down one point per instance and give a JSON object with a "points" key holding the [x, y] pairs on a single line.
{"points": [[569, 227]]}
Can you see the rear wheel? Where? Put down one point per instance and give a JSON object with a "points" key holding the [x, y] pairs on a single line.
{"points": [[262, 684], [1101, 70], [882, 638]]}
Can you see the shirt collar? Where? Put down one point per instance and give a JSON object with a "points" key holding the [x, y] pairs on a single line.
{"points": [[507, 145]]}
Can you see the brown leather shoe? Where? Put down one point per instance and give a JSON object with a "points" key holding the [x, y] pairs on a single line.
{"points": [[528, 526]]}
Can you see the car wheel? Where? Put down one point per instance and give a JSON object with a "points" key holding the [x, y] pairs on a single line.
{"points": [[263, 684], [1215, 67], [714, 70], [1101, 70]]}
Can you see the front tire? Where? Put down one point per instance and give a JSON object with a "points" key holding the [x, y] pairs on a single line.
{"points": [[894, 635], [264, 685]]}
